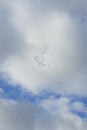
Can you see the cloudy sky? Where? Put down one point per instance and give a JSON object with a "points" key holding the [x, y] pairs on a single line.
{"points": [[43, 64]]}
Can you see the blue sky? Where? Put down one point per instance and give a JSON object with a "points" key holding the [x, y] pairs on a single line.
{"points": [[18, 94], [43, 65]]}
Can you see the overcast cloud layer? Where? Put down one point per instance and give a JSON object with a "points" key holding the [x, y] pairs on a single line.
{"points": [[43, 44], [25, 116]]}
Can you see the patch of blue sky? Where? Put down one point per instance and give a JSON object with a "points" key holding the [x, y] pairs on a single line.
{"points": [[14, 92], [17, 93], [75, 98], [82, 115]]}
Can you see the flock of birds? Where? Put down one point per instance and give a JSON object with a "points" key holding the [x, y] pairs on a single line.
{"points": [[40, 60]]}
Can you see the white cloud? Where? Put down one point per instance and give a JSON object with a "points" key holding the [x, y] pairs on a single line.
{"points": [[29, 28], [62, 108], [79, 107], [15, 116]]}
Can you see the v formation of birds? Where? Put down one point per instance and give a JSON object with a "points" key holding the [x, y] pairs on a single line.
{"points": [[40, 60]]}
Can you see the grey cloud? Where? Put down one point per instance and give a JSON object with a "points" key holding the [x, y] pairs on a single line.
{"points": [[23, 115], [11, 41], [27, 28], [14, 117]]}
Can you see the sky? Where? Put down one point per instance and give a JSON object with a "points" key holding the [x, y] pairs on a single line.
{"points": [[43, 64]]}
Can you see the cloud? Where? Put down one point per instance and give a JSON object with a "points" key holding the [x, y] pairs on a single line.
{"points": [[14, 117], [62, 108], [29, 28], [43, 45], [24, 115]]}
